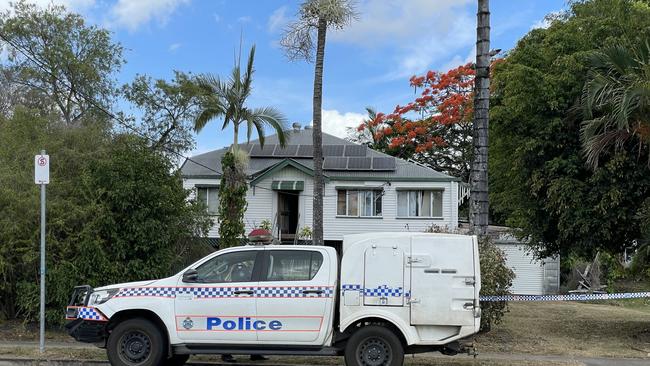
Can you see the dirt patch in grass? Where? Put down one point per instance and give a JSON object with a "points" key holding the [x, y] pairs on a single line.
{"points": [[58, 353], [15, 330], [571, 328], [421, 360]]}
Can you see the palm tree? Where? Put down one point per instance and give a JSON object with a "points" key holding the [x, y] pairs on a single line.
{"points": [[616, 101], [227, 99], [298, 42], [479, 205]]}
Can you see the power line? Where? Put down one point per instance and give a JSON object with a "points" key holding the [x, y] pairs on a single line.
{"points": [[108, 113], [97, 105]]}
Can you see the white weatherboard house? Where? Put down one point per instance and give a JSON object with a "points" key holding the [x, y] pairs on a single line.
{"points": [[365, 190]]}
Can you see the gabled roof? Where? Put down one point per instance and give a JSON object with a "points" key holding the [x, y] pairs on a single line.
{"points": [[258, 165], [281, 165]]}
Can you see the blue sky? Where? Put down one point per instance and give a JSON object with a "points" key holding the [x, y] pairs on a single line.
{"points": [[367, 64]]}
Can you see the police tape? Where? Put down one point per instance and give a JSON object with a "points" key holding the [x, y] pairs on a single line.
{"points": [[568, 297]]}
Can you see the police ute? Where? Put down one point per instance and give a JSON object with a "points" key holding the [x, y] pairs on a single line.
{"points": [[387, 295]]}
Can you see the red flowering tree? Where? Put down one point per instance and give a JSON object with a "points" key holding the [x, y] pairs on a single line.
{"points": [[435, 129]]}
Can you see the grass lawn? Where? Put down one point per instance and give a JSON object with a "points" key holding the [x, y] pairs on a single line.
{"points": [[611, 329], [614, 329]]}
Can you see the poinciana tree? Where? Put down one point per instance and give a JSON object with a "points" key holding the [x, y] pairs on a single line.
{"points": [[435, 129]]}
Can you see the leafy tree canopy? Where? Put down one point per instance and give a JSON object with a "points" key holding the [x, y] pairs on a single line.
{"points": [[168, 108], [540, 182], [53, 52]]}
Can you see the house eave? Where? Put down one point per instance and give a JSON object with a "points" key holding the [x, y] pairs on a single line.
{"points": [[201, 176], [395, 179]]}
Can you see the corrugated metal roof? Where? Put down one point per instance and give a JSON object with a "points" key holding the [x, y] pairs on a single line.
{"points": [[404, 170]]}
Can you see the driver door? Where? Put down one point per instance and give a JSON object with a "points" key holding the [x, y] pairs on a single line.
{"points": [[219, 307]]}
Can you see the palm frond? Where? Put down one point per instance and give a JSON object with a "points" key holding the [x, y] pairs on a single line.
{"points": [[268, 116], [616, 92]]}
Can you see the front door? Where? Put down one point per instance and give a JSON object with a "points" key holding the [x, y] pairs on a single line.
{"points": [[296, 295], [220, 306], [288, 214]]}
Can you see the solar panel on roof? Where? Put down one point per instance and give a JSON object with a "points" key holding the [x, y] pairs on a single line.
{"points": [[288, 150], [335, 163], [305, 151], [359, 163], [258, 151], [355, 150], [333, 150], [246, 147], [383, 163]]}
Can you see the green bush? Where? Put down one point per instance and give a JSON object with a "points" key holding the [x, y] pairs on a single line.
{"points": [[496, 279], [116, 212]]}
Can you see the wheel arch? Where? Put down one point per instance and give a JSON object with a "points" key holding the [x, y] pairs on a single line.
{"points": [[403, 333], [123, 315]]}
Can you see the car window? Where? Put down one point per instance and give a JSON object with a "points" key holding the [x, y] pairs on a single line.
{"points": [[293, 265], [229, 267]]}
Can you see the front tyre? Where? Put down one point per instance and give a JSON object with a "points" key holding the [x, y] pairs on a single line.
{"points": [[136, 342], [374, 346]]}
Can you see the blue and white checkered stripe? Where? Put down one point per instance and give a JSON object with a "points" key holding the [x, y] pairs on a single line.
{"points": [[208, 292], [351, 288], [381, 291], [89, 314], [292, 292], [225, 292], [147, 291], [569, 297]]}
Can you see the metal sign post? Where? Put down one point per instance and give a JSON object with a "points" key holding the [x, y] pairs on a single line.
{"points": [[42, 177]]}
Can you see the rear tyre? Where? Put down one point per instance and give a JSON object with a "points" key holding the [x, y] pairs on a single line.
{"points": [[177, 360], [374, 346], [136, 342]]}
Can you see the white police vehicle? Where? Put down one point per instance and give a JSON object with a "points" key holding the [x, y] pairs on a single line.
{"points": [[389, 294]]}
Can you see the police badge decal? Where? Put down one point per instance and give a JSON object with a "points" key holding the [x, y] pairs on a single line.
{"points": [[188, 323]]}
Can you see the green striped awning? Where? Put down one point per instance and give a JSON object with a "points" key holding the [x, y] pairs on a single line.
{"points": [[288, 185]]}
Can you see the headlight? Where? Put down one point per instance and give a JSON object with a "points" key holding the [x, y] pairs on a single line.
{"points": [[100, 297]]}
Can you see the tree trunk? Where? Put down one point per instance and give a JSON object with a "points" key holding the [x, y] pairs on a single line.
{"points": [[235, 133], [479, 205], [318, 135]]}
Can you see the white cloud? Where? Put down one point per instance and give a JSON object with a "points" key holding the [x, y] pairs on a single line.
{"points": [[547, 20], [132, 14], [417, 32], [217, 17], [277, 19], [244, 19], [337, 123], [458, 60], [542, 23], [174, 47]]}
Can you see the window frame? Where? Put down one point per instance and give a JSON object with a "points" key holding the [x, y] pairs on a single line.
{"points": [[420, 191], [208, 187], [266, 262], [257, 265], [376, 192]]}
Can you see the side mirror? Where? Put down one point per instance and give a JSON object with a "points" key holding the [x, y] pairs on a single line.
{"points": [[191, 275]]}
